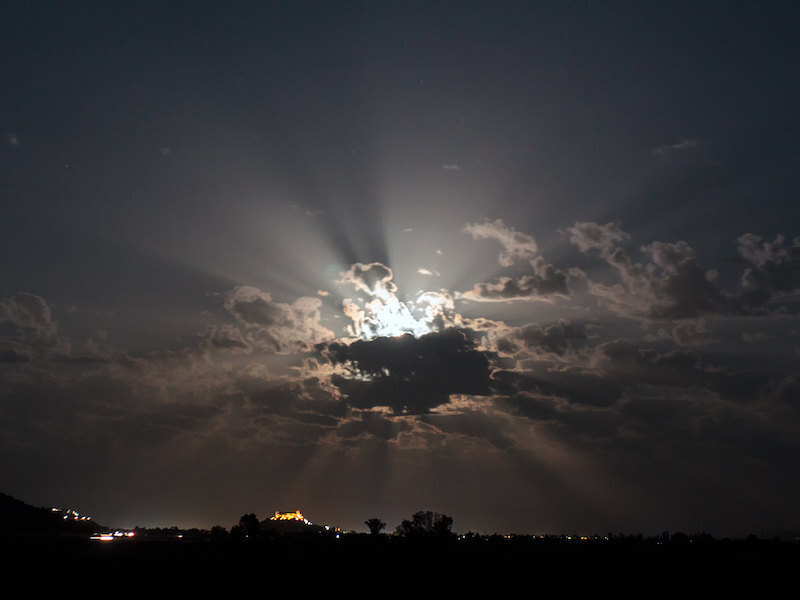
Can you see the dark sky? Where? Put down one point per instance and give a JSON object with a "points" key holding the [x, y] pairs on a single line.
{"points": [[534, 265]]}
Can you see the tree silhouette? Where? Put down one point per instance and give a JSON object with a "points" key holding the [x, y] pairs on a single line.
{"points": [[375, 525], [426, 524], [218, 532], [249, 525]]}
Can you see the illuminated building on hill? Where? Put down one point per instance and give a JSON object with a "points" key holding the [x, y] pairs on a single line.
{"points": [[293, 522], [290, 516]]}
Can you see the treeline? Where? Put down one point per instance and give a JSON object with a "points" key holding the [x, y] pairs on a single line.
{"points": [[429, 525]]}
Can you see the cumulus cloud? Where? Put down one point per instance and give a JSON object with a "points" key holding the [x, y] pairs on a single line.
{"points": [[555, 338], [28, 312], [374, 279], [277, 326], [545, 282], [775, 268], [28, 331], [516, 245], [670, 286], [586, 235], [225, 337], [408, 374]]}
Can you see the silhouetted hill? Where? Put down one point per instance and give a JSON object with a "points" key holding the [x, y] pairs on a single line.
{"points": [[19, 518]]}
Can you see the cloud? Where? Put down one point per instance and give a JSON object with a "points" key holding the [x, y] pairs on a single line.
{"points": [[225, 337], [625, 361], [384, 314], [374, 279], [691, 333], [755, 337], [555, 338], [516, 245], [409, 375], [611, 374], [775, 268], [544, 283], [683, 145], [277, 326], [670, 286], [789, 390], [587, 235], [28, 312], [28, 331]]}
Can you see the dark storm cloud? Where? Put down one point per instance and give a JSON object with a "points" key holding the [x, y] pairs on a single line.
{"points": [[407, 374]]}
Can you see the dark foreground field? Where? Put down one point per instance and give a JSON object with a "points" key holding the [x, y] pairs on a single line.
{"points": [[361, 562]]}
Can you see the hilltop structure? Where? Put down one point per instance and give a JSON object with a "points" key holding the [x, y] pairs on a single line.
{"points": [[290, 522], [290, 516]]}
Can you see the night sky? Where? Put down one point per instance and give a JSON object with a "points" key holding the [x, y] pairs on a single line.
{"points": [[534, 265]]}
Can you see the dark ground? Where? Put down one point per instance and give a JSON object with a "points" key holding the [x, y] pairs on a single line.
{"points": [[384, 563]]}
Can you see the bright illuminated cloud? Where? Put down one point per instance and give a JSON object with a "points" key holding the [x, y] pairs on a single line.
{"points": [[384, 314]]}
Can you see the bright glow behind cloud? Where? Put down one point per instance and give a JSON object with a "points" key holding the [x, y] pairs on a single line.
{"points": [[384, 314]]}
